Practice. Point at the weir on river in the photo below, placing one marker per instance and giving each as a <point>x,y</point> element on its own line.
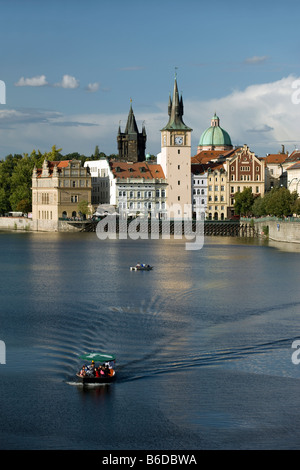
<point>228,228</point>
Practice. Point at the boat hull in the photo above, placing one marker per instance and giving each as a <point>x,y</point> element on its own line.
<point>95,380</point>
<point>140,268</point>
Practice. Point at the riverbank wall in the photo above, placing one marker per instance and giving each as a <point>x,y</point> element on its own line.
<point>279,230</point>
<point>29,225</point>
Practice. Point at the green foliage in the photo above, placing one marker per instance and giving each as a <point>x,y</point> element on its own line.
<point>16,176</point>
<point>83,208</point>
<point>243,202</point>
<point>279,202</point>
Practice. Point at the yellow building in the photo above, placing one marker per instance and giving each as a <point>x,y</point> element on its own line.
<point>57,189</point>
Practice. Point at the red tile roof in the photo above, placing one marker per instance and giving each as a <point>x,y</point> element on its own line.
<point>51,164</point>
<point>199,168</point>
<point>276,158</point>
<point>295,166</point>
<point>205,156</point>
<point>293,157</point>
<point>136,170</point>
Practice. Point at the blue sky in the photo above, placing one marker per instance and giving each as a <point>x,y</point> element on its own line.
<point>72,66</point>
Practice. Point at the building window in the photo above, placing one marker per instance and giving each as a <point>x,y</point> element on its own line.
<point>178,183</point>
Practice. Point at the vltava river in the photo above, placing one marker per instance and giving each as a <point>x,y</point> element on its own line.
<point>203,343</point>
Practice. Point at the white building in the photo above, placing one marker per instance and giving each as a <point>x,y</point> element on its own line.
<point>130,187</point>
<point>199,191</point>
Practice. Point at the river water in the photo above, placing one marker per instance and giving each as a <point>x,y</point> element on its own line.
<point>203,343</point>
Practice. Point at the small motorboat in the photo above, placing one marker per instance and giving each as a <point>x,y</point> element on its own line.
<point>141,267</point>
<point>98,368</point>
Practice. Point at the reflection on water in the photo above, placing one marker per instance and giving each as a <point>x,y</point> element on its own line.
<point>200,342</point>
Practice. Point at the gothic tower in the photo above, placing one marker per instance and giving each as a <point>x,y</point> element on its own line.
<point>175,159</point>
<point>132,143</point>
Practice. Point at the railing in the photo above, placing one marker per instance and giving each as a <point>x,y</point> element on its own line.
<point>270,218</point>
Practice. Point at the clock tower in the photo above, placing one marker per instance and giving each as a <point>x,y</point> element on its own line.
<point>175,159</point>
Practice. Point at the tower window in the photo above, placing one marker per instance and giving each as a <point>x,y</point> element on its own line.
<point>178,151</point>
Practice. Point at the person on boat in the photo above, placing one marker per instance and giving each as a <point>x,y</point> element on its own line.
<point>82,371</point>
<point>97,372</point>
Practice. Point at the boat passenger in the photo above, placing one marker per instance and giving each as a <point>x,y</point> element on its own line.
<point>96,371</point>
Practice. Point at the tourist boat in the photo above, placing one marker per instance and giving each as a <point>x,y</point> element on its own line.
<point>106,361</point>
<point>141,267</point>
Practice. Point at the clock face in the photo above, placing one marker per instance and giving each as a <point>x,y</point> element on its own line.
<point>178,140</point>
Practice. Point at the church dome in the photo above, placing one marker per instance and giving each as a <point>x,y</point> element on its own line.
<point>214,137</point>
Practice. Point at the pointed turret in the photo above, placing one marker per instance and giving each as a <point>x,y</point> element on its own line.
<point>175,111</point>
<point>131,143</point>
<point>131,126</point>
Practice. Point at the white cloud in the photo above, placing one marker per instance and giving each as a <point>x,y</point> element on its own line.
<point>40,80</point>
<point>68,82</point>
<point>262,116</point>
<point>256,59</point>
<point>92,87</point>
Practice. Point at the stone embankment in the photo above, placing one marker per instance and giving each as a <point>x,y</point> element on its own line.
<point>29,225</point>
<point>279,230</point>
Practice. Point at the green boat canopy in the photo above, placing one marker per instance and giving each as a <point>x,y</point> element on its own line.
<point>98,357</point>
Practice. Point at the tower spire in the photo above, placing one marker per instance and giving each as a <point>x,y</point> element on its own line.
<point>175,109</point>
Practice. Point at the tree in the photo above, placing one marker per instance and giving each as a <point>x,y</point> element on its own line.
<point>20,182</point>
<point>83,208</point>
<point>279,202</point>
<point>243,202</point>
<point>259,207</point>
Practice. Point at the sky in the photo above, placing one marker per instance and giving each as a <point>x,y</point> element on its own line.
<point>71,67</point>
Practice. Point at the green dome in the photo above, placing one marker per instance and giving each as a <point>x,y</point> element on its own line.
<point>215,136</point>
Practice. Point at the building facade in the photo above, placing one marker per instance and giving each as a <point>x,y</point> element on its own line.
<point>130,187</point>
<point>57,189</point>
<point>199,191</point>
